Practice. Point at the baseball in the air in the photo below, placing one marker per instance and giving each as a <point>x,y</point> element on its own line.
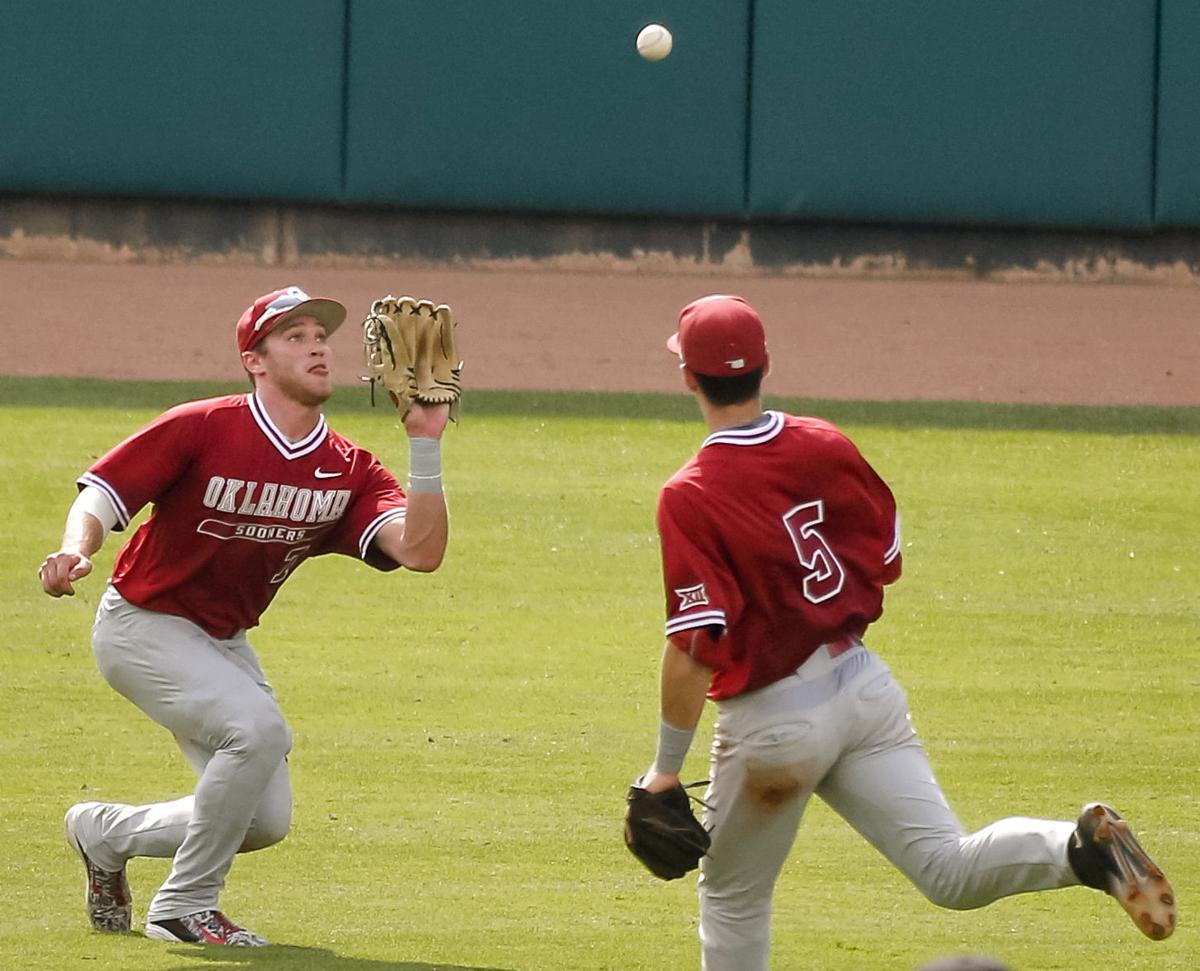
<point>654,42</point>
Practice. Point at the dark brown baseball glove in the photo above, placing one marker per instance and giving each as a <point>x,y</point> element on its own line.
<point>662,831</point>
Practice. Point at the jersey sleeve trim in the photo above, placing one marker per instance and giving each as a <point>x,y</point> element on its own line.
<point>376,524</point>
<point>702,618</point>
<point>894,550</point>
<point>93,480</point>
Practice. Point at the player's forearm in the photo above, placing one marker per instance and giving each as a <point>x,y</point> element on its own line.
<point>684,686</point>
<point>426,521</point>
<point>89,521</point>
<point>426,532</point>
<point>83,534</point>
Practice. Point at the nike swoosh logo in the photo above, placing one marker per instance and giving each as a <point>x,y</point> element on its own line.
<point>322,474</point>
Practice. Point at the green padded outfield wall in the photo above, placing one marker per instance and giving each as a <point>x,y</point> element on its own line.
<point>1177,200</point>
<point>545,105</point>
<point>947,111</point>
<point>226,98</point>
<point>1010,112</point>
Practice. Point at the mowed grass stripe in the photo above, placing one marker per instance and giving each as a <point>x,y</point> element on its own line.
<point>59,392</point>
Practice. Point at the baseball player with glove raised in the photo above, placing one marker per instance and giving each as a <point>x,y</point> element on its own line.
<point>778,539</point>
<point>245,488</point>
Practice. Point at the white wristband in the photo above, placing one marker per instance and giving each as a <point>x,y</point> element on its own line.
<point>424,465</point>
<point>673,745</point>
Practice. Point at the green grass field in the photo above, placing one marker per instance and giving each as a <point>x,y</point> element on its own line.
<point>459,767</point>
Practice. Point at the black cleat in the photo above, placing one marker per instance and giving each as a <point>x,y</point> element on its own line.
<point>1105,855</point>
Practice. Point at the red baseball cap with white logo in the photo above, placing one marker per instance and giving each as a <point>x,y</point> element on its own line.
<point>721,336</point>
<point>272,309</point>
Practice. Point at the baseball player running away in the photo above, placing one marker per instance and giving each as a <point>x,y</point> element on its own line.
<point>245,488</point>
<point>777,541</point>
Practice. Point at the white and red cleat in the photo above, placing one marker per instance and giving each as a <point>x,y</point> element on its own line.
<point>109,901</point>
<point>203,927</point>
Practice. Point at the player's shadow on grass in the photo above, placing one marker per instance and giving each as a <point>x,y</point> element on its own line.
<point>288,958</point>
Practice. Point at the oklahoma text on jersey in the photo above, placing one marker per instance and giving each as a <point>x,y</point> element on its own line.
<point>275,500</point>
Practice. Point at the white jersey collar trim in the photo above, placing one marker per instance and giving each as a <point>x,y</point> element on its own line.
<point>288,449</point>
<point>753,434</point>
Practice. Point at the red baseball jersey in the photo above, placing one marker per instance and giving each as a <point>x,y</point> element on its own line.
<point>777,537</point>
<point>237,507</point>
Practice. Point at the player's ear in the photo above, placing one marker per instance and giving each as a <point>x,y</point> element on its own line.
<point>252,361</point>
<point>766,363</point>
<point>689,379</point>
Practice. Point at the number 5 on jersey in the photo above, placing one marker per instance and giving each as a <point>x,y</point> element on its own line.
<point>825,573</point>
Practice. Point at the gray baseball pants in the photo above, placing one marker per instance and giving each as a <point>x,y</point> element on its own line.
<point>839,727</point>
<point>213,697</point>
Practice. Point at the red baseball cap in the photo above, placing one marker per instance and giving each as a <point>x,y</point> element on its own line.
<point>271,309</point>
<point>720,336</point>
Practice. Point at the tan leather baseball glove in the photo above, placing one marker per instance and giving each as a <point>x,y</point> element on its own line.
<point>410,350</point>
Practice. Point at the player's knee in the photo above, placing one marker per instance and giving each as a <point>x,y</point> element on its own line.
<point>265,736</point>
<point>948,898</point>
<point>270,825</point>
<point>950,891</point>
<point>946,876</point>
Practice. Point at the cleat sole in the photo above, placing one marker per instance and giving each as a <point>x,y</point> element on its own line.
<point>1137,883</point>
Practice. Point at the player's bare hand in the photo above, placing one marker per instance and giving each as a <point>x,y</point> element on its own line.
<point>59,571</point>
<point>654,781</point>
<point>426,421</point>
